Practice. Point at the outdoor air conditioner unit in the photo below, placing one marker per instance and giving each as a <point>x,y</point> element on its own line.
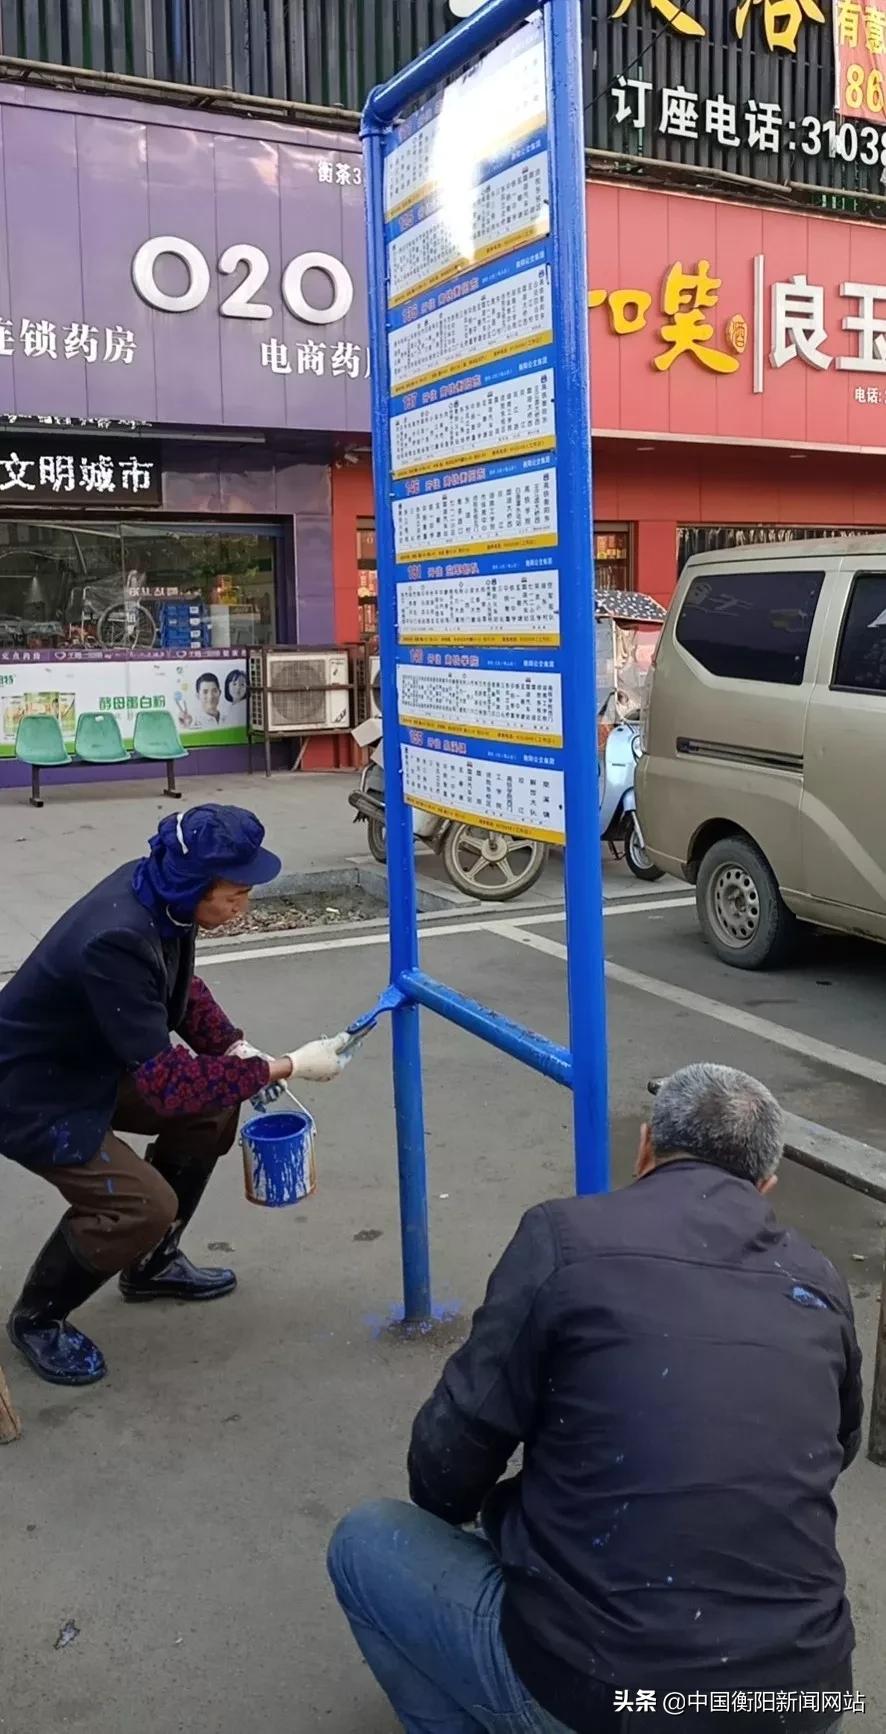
<point>306,691</point>
<point>375,686</point>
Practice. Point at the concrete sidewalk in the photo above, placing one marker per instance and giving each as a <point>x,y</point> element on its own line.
<point>51,856</point>
<point>174,1520</point>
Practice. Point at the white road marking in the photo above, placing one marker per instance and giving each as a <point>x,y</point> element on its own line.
<point>841,1059</point>
<point>443,931</point>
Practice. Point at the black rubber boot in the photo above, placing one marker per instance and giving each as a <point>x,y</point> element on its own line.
<point>166,1274</point>
<point>38,1327</point>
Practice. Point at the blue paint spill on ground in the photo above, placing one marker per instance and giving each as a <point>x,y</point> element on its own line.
<point>442,1312</point>
<point>805,1297</point>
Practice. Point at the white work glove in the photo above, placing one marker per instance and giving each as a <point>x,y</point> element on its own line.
<point>321,1061</point>
<point>243,1050</point>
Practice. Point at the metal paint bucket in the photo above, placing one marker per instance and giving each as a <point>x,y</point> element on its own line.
<point>278,1158</point>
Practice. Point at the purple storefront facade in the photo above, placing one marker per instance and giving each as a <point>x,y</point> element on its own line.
<point>183,358</point>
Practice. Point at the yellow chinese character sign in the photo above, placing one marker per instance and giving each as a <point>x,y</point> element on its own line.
<point>687,299</point>
<point>782,20</point>
<point>860,53</point>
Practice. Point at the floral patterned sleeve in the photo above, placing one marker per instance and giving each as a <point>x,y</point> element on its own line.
<point>204,1026</point>
<point>176,1082</point>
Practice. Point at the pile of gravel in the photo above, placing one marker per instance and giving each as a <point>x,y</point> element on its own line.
<point>305,909</point>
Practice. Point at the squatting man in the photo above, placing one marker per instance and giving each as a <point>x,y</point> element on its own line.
<point>86,1052</point>
<point>683,1375</point>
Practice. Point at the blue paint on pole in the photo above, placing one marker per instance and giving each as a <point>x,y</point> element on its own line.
<point>583,871</point>
<point>583,1066</point>
<point>408,1101</point>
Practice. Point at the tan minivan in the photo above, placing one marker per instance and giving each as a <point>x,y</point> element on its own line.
<point>762,780</point>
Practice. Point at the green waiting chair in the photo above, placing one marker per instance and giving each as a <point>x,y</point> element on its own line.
<point>156,737</point>
<point>98,740</point>
<point>39,743</point>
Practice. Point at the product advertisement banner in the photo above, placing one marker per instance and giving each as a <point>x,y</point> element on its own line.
<point>205,695</point>
<point>860,60</point>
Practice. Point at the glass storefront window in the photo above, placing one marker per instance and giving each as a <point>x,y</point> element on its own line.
<point>132,586</point>
<point>367,579</point>
<point>613,565</point>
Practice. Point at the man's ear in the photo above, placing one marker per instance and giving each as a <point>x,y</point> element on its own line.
<point>764,1186</point>
<point>645,1153</point>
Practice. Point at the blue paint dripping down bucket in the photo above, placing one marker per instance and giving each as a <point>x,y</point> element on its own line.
<point>278,1159</point>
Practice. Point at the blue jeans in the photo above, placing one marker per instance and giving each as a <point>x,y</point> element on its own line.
<point>423,1601</point>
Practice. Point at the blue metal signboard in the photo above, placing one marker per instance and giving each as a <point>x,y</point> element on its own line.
<point>481,452</point>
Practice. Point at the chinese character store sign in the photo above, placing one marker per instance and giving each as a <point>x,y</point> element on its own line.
<point>782,20</point>
<point>238,302</point>
<point>37,472</point>
<point>31,338</point>
<point>783,315</point>
<point>687,299</point>
<point>860,53</point>
<point>783,90</point>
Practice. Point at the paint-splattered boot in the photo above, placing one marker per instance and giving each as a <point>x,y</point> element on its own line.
<point>166,1274</point>
<point>38,1324</point>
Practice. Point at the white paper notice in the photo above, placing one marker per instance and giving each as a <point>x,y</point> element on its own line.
<point>521,608</point>
<point>519,799</point>
<point>514,512</point>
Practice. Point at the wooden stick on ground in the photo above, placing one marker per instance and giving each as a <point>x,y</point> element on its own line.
<point>10,1425</point>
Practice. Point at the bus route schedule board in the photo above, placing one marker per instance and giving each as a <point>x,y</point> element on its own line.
<point>473,448</point>
<point>478,318</point>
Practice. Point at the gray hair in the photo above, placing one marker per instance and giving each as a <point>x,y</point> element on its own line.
<point>718,1115</point>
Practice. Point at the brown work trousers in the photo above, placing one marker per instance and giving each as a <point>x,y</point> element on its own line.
<point>121,1206</point>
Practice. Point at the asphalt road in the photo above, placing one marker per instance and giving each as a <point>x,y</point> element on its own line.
<point>178,1514</point>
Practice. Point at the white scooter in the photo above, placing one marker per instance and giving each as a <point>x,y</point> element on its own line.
<point>628,627</point>
<point>619,823</point>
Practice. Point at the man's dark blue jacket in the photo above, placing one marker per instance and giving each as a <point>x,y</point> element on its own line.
<point>684,1376</point>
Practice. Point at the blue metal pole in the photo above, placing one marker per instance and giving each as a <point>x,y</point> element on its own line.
<point>448,55</point>
<point>549,1058</point>
<point>405,1035</point>
<point>583,872</point>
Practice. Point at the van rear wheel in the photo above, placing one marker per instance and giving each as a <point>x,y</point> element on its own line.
<point>740,908</point>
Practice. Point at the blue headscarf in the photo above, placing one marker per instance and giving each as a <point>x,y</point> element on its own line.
<point>191,851</point>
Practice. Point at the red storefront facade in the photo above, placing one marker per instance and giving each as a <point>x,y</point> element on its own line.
<point>738,385</point>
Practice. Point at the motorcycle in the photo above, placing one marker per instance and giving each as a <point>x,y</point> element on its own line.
<point>495,867</point>
<point>490,865</point>
<point>628,628</point>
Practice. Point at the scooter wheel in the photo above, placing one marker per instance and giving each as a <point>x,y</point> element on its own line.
<point>641,865</point>
<point>377,840</point>
<point>490,865</point>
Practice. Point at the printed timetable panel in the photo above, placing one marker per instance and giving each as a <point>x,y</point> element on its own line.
<point>510,512</point>
<point>472,694</point>
<point>495,104</point>
<point>495,421</point>
<point>462,325</point>
<point>521,798</point>
<point>472,479</point>
<point>500,214</point>
<point>466,605</point>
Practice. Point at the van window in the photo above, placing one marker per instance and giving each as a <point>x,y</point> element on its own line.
<point>751,625</point>
<point>861,658</point>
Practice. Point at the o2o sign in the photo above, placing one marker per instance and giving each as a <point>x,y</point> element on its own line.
<point>240,303</point>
